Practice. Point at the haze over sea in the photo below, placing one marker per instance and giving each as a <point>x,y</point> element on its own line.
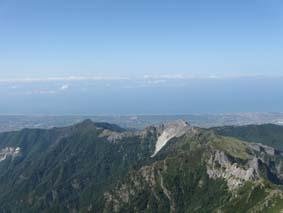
<point>140,57</point>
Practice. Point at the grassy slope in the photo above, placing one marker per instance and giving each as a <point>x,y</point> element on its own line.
<point>268,134</point>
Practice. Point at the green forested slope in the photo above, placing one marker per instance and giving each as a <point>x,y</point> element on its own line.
<point>268,134</point>
<point>100,167</point>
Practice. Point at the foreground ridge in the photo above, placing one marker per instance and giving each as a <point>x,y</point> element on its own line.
<point>172,167</point>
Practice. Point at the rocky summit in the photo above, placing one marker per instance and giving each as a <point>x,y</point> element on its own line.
<point>172,167</point>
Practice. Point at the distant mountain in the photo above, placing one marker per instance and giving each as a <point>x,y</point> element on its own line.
<point>173,167</point>
<point>14,122</point>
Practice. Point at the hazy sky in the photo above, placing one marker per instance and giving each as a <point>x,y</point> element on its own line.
<point>140,56</point>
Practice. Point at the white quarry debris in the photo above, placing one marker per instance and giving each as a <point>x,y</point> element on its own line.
<point>9,152</point>
<point>170,131</point>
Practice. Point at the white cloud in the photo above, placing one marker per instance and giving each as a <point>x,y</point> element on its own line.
<point>64,87</point>
<point>159,78</point>
<point>170,76</point>
<point>189,76</point>
<point>66,78</point>
<point>40,92</point>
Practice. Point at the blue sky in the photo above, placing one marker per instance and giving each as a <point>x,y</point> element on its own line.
<point>107,37</point>
<point>67,56</point>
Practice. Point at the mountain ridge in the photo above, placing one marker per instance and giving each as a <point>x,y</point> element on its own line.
<point>100,167</point>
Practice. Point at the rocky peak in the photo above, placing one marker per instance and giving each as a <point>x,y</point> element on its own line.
<point>169,131</point>
<point>85,124</point>
<point>174,125</point>
<point>88,123</point>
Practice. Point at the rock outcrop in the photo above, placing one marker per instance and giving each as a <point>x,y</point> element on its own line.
<point>9,152</point>
<point>219,166</point>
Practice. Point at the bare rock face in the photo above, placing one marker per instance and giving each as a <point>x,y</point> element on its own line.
<point>219,166</point>
<point>170,131</point>
<point>9,151</point>
<point>112,136</point>
<point>262,148</point>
